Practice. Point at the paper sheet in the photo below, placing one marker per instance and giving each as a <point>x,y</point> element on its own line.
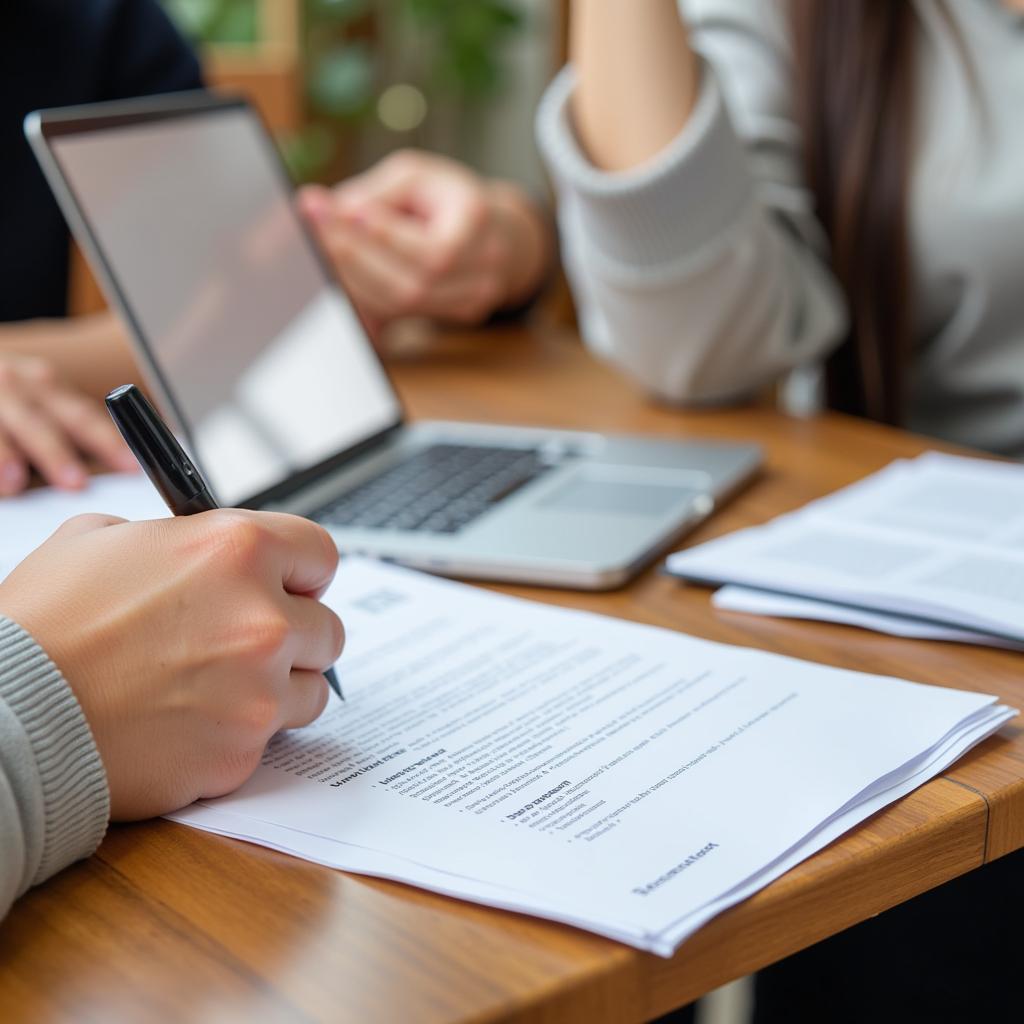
<point>938,538</point>
<point>763,602</point>
<point>619,777</point>
<point>338,854</point>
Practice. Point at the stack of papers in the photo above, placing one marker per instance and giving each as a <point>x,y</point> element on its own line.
<point>621,778</point>
<point>625,779</point>
<point>931,547</point>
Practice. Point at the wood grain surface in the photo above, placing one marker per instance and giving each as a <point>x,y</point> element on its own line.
<point>166,923</point>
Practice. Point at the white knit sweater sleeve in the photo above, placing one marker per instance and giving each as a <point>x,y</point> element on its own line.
<point>703,274</point>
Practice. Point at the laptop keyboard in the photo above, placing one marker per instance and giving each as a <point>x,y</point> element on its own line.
<point>439,489</point>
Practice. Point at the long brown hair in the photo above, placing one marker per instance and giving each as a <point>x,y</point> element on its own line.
<point>855,69</point>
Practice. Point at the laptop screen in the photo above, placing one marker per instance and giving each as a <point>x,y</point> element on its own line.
<point>260,351</point>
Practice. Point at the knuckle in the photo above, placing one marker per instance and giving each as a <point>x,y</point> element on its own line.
<point>237,538</point>
<point>86,522</point>
<point>404,159</point>
<point>475,211</point>
<point>440,262</point>
<point>40,371</point>
<point>341,189</point>
<point>83,521</point>
<point>259,713</point>
<point>265,636</point>
<point>410,295</point>
<point>35,422</point>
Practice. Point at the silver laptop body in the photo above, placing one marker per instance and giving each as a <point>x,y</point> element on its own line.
<point>255,352</point>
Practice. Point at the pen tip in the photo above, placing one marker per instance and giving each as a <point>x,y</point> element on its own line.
<point>332,679</point>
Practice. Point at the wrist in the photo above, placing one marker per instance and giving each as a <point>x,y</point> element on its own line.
<point>92,352</point>
<point>528,242</point>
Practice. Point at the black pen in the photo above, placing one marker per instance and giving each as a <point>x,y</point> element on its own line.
<point>171,471</point>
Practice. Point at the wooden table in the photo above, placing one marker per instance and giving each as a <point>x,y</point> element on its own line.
<point>166,923</point>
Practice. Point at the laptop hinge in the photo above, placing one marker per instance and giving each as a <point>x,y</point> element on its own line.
<point>299,481</point>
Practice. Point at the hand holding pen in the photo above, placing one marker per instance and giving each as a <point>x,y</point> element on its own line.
<point>171,471</point>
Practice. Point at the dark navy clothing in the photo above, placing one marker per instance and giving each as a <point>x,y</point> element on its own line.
<point>57,53</point>
<point>951,955</point>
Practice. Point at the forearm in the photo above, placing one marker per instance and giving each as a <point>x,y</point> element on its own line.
<point>637,79</point>
<point>91,352</point>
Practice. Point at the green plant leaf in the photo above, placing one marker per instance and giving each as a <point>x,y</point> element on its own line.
<point>341,80</point>
<point>235,22</point>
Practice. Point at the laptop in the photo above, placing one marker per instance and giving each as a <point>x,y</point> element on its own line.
<point>258,358</point>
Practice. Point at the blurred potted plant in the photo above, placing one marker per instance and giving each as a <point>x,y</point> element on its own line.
<point>221,22</point>
<point>364,75</point>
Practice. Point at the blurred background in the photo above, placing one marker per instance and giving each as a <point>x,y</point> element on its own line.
<point>342,82</point>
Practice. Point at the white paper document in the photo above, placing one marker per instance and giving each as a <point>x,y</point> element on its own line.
<point>732,598</point>
<point>937,542</point>
<point>622,778</point>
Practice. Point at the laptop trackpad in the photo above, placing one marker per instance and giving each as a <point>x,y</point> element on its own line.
<point>622,497</point>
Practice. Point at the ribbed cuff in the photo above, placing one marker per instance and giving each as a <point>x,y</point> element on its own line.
<point>685,198</point>
<point>73,783</point>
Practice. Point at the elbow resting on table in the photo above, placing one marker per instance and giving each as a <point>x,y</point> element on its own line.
<point>672,378</point>
<point>715,339</point>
